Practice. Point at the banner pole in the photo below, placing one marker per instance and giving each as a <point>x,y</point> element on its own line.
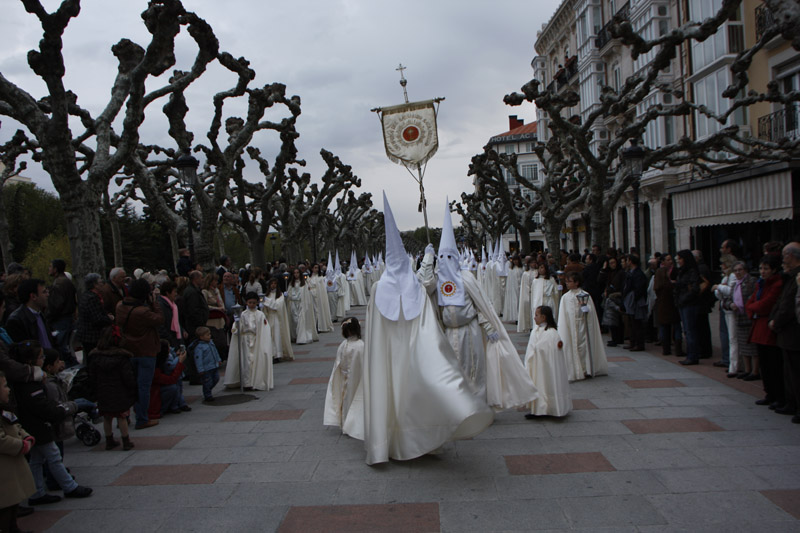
<point>423,203</point>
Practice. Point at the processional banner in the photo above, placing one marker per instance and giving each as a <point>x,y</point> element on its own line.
<point>409,132</point>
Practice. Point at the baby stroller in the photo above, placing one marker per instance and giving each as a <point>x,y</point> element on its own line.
<point>87,414</point>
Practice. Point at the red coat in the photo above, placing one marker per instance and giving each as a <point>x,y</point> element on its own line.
<point>159,379</point>
<point>758,310</point>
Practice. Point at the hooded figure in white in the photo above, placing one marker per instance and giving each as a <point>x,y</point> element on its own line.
<point>334,288</point>
<point>356,281</point>
<point>485,352</point>
<point>343,305</point>
<point>413,397</point>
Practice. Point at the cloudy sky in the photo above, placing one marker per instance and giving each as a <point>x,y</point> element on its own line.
<point>340,57</point>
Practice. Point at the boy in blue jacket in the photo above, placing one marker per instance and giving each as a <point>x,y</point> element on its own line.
<point>207,359</point>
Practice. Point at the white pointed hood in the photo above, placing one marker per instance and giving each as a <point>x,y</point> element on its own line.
<point>473,264</point>
<point>502,261</point>
<point>367,264</point>
<point>337,266</point>
<point>449,283</point>
<point>330,276</point>
<point>398,287</point>
<point>353,267</point>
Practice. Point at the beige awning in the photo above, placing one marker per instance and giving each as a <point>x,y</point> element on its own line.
<point>752,200</point>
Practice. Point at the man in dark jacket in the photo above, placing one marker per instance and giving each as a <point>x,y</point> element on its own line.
<point>62,307</point>
<point>139,317</point>
<point>783,321</point>
<point>114,291</point>
<point>28,321</point>
<point>194,308</point>
<point>634,297</point>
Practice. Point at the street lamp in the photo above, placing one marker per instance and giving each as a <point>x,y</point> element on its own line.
<point>314,219</point>
<point>272,239</point>
<point>187,173</point>
<point>633,159</point>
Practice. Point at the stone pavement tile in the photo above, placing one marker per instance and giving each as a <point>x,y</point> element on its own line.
<point>743,509</point>
<point>148,443</point>
<point>788,500</point>
<point>500,515</point>
<point>40,520</point>
<point>331,344</point>
<point>171,475</point>
<point>97,476</point>
<point>778,476</point>
<point>583,444</point>
<point>653,383</point>
<point>314,359</point>
<point>561,428</point>
<point>341,450</point>
<point>117,520</point>
<point>166,457</point>
<point>673,441</point>
<point>448,465</point>
<point>764,437</point>
<point>215,428</point>
<point>524,429</point>
<point>702,401</point>
<point>89,458</point>
<point>192,398</point>
<point>408,518</point>
<point>783,527</point>
<point>360,492</point>
<point>675,412</point>
<point>359,470</point>
<point>543,487</point>
<point>619,359</point>
<point>222,440</point>
<point>300,424</point>
<point>750,455</point>
<point>250,454</point>
<point>653,393</point>
<point>301,352</point>
<point>650,459</point>
<point>595,415</point>
<point>283,493</point>
<point>484,447</point>
<point>297,438</point>
<point>671,425</point>
<point>452,489</point>
<point>265,518</point>
<point>581,404</point>
<point>267,472</point>
<point>638,482</point>
<point>762,420</point>
<point>716,390</point>
<point>626,402</point>
<point>709,479</point>
<point>610,511</point>
<point>557,463</point>
<point>245,416</point>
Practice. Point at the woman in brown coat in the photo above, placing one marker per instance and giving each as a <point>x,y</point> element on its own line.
<point>16,481</point>
<point>666,312</point>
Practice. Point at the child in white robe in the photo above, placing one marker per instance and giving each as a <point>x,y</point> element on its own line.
<point>544,360</point>
<point>346,374</point>
<point>255,363</point>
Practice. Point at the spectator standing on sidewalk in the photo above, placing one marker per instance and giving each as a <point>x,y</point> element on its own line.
<point>783,321</point>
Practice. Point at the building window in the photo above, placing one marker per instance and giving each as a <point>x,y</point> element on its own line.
<point>509,148</point>
<point>510,179</point>
<point>529,171</point>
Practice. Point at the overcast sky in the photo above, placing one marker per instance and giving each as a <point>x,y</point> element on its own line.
<point>340,57</point>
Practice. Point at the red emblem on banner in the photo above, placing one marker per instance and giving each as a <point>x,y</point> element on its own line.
<point>448,288</point>
<point>411,134</point>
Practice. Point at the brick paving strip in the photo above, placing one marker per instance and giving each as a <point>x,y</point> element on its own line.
<point>671,425</point>
<point>249,416</point>
<point>580,405</point>
<point>620,359</point>
<point>557,463</point>
<point>653,383</point>
<point>401,517</point>
<point>41,520</point>
<point>788,500</point>
<point>171,475</point>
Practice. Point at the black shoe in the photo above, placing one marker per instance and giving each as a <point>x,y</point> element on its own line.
<point>531,416</point>
<point>732,374</point>
<point>689,362</point>
<point>721,364</point>
<point>796,419</point>
<point>764,401</point>
<point>785,410</point>
<point>79,492</point>
<point>23,511</point>
<point>742,375</point>
<point>752,377</point>
<point>611,344</point>
<point>775,405</point>
<point>209,399</point>
<point>185,408</point>
<point>174,411</point>
<point>44,500</point>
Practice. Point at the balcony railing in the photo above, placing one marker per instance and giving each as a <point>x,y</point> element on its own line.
<point>604,36</point>
<point>764,20</point>
<point>780,125</point>
<point>564,75</point>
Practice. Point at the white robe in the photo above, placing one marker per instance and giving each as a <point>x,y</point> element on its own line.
<point>342,303</point>
<point>322,309</point>
<point>257,352</point>
<point>413,397</point>
<point>345,377</point>
<point>524,315</point>
<point>544,292</point>
<point>511,300</point>
<point>584,350</point>
<point>301,307</point>
<point>544,360</point>
<point>278,317</point>
<point>357,295</point>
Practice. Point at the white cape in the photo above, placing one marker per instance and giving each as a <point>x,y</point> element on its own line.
<point>524,313</point>
<point>322,309</point>
<point>275,310</point>
<point>544,360</point>
<point>257,352</point>
<point>584,349</point>
<point>345,377</point>
<point>302,316</point>
<point>413,397</point>
<point>511,299</point>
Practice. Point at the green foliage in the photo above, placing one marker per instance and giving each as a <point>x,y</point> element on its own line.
<point>145,243</point>
<point>33,214</point>
<point>54,246</point>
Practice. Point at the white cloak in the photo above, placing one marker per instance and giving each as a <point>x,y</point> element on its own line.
<point>278,317</point>
<point>524,314</point>
<point>413,397</point>
<point>322,310</point>
<point>345,377</point>
<point>257,352</point>
<point>301,306</point>
<point>544,292</point>
<point>545,362</point>
<point>584,350</point>
<point>358,296</point>
<point>511,300</point>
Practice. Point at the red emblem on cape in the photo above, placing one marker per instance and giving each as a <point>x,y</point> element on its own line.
<point>448,288</point>
<point>411,134</point>
<point>330,284</point>
<point>560,344</point>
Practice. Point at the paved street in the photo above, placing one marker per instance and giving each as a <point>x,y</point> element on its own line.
<point>652,447</point>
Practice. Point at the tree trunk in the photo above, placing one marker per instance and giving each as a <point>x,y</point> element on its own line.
<point>5,239</point>
<point>600,226</point>
<point>204,246</point>
<point>257,256</point>
<point>116,238</point>
<point>552,233</point>
<point>81,212</point>
<point>220,242</point>
<point>173,241</point>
